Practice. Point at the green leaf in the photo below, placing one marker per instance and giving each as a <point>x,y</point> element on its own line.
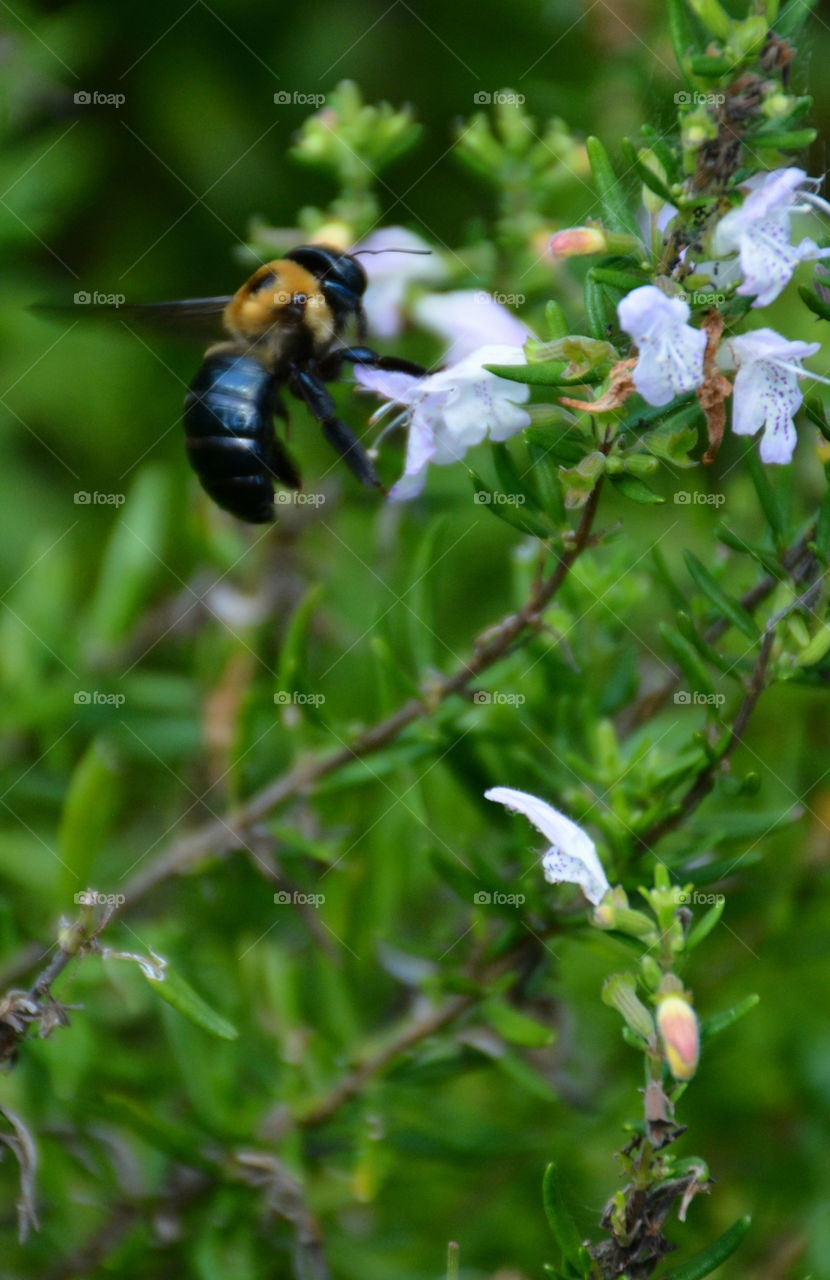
<point>792,140</point>
<point>725,605</point>
<point>719,1022</point>
<point>88,811</point>
<point>762,554</point>
<point>689,632</point>
<point>634,488</point>
<point>714,17</point>
<point>768,498</point>
<point>717,1253</point>
<point>544,476</point>
<point>522,1074</point>
<point>814,409</point>
<point>511,512</point>
<point>822,528</point>
<point>556,321</point>
<point>173,988</point>
<point>512,481</point>
<point>133,560</point>
<point>516,1027</point>
<point>421,595</point>
<point>711,66</point>
<point>295,645</point>
<point>646,174</point>
<point>705,925</point>
<point>175,1141</point>
<point>596,309</point>
<point>616,212</point>
<point>687,659</point>
<point>812,300</point>
<point>687,35</point>
<point>625,281</point>
<point>545,373</point>
<point>560,1221</point>
<point>795,13</point>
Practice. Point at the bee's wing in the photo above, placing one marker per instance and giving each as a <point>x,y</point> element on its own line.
<point>189,317</point>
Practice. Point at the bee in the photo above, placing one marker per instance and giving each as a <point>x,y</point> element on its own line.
<point>285,328</point>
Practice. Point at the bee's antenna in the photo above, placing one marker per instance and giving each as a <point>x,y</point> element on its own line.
<point>390,250</point>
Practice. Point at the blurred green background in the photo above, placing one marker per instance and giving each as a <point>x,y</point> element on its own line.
<point>183,613</point>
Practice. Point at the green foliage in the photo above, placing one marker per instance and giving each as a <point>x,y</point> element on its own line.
<point>342,1018</point>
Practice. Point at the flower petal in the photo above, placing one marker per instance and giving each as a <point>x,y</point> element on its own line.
<point>573,856</point>
<point>467,319</point>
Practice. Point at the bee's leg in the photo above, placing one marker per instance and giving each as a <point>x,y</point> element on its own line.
<point>281,465</point>
<point>330,367</point>
<point>315,393</point>
<point>276,456</point>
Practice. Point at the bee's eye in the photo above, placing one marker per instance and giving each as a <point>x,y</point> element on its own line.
<point>263,282</point>
<point>301,299</point>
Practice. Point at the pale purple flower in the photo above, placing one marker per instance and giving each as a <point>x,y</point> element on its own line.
<point>766,391</point>
<point>467,319</point>
<point>451,410</point>
<point>670,351</point>
<point>391,276</point>
<point>759,230</point>
<point>572,857</point>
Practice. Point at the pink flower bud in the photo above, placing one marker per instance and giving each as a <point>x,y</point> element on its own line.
<point>576,241</point>
<point>677,1024</point>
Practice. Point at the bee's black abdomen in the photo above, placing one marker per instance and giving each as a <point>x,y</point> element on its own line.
<point>229,435</point>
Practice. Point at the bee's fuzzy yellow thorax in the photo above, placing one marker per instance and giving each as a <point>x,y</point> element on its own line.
<point>269,301</point>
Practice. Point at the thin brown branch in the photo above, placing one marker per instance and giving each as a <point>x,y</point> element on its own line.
<point>223,834</point>
<point>705,780</point>
<point>650,704</point>
<point>411,1034</point>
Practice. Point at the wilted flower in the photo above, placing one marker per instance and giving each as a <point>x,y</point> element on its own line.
<point>392,274</point>
<point>677,1025</point>
<point>572,857</point>
<point>766,392</point>
<point>670,350</point>
<point>760,232</point>
<point>451,410</point>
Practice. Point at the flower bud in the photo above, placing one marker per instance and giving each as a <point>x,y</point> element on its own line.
<point>578,241</point>
<point>677,1024</point>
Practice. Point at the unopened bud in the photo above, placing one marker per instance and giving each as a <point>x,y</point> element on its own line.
<point>577,241</point>
<point>677,1024</point>
<point>619,992</point>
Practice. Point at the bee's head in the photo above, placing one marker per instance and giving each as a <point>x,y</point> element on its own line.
<point>339,275</point>
<point>283,294</point>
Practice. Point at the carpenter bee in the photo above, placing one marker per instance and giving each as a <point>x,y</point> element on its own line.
<point>285,326</point>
